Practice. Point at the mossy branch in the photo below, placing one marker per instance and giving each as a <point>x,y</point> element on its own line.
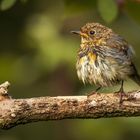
<point>20,111</point>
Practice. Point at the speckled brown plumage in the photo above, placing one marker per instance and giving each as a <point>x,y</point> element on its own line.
<point>104,57</point>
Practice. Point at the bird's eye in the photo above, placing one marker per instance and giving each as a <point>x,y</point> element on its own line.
<point>92,32</point>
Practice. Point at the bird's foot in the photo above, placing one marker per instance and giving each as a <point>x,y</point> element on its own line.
<point>121,94</point>
<point>93,93</point>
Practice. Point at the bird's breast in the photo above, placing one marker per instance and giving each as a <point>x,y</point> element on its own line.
<point>86,67</point>
<point>97,70</point>
<point>92,57</point>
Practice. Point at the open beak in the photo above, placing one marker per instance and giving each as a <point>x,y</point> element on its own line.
<point>80,33</point>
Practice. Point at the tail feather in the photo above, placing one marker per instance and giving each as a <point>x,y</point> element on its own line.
<point>135,77</point>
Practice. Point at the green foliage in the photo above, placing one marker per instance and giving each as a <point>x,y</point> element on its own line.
<point>23,1</point>
<point>6,4</point>
<point>38,56</point>
<point>133,10</point>
<point>108,10</point>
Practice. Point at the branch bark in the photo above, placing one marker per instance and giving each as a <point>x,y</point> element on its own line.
<point>20,111</point>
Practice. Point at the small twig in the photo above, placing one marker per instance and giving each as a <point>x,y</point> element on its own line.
<point>4,91</point>
<point>21,111</point>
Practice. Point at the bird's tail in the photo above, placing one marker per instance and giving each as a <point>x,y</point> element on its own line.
<point>135,77</point>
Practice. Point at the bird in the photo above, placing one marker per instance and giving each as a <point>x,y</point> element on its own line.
<point>104,58</point>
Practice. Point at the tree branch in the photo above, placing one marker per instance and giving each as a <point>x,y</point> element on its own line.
<point>21,111</point>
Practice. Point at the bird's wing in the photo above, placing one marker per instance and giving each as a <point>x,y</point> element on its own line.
<point>120,46</point>
<point>118,49</point>
<point>115,47</point>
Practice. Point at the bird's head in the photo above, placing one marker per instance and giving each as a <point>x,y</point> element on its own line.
<point>93,33</point>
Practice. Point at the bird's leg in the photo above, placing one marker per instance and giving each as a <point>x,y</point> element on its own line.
<point>93,92</point>
<point>97,89</point>
<point>121,92</point>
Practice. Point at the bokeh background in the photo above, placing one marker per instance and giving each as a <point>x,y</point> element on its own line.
<point>38,56</point>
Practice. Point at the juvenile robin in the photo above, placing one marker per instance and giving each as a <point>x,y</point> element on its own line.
<point>104,58</point>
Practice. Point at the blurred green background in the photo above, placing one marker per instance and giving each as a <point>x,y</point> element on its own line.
<point>38,56</point>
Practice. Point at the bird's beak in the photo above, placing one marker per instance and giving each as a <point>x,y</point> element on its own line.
<point>76,32</point>
<point>80,33</point>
